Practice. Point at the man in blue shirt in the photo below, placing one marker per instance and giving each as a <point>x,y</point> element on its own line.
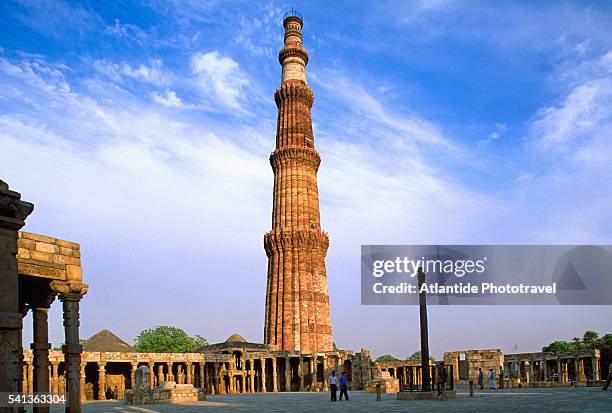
<point>343,387</point>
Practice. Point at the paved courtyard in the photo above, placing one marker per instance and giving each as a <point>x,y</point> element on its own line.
<point>514,400</point>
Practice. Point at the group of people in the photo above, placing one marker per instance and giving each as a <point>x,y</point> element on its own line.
<point>335,381</point>
<point>112,394</point>
<point>492,379</point>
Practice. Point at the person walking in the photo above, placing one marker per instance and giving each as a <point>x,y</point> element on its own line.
<point>502,373</point>
<point>443,380</point>
<point>492,379</point>
<point>609,378</point>
<point>343,387</point>
<point>333,385</point>
<point>480,378</point>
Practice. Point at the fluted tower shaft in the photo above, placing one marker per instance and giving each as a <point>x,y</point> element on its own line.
<point>297,299</point>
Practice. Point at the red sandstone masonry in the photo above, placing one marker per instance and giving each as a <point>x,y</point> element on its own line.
<point>297,300</point>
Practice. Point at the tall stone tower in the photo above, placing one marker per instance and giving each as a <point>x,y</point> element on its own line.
<point>297,301</point>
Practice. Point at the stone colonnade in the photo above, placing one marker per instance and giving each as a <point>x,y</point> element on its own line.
<point>562,367</point>
<point>238,371</point>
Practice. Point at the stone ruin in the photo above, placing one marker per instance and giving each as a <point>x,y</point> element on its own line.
<point>166,392</point>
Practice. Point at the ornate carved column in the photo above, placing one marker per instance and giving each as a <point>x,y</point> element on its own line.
<point>262,362</point>
<point>70,293</point>
<point>313,371</point>
<point>220,379</point>
<point>274,376</point>
<point>301,373</point>
<point>189,364</point>
<point>82,379</point>
<point>134,365</point>
<point>287,373</point>
<point>30,378</point>
<point>55,376</point>
<point>252,376</point>
<point>202,366</point>
<point>101,380</point>
<point>581,375</point>
<point>169,376</point>
<point>24,378</point>
<point>325,386</point>
<point>160,374</point>
<point>13,212</point>
<point>40,346</point>
<point>151,365</point>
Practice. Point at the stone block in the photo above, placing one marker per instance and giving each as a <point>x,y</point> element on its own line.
<point>74,273</point>
<point>38,237</point>
<point>41,256</point>
<point>68,244</point>
<point>66,251</point>
<point>63,259</point>
<point>49,248</point>
<point>23,253</point>
<point>26,243</point>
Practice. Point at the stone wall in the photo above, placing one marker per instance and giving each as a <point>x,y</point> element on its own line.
<point>48,257</point>
<point>467,369</point>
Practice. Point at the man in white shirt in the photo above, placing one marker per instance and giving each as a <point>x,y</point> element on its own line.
<point>333,385</point>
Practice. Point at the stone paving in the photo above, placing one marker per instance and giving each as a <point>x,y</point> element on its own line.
<point>512,400</point>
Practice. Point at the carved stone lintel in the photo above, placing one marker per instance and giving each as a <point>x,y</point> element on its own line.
<point>69,290</point>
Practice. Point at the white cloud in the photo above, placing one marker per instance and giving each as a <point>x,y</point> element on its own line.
<point>169,98</point>
<point>220,78</point>
<point>578,127</point>
<point>500,129</point>
<point>153,73</point>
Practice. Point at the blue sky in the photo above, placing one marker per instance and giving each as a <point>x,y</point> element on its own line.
<point>142,131</point>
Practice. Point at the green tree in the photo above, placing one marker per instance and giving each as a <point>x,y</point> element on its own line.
<point>558,346</point>
<point>415,356</point>
<point>335,347</point>
<point>386,357</point>
<point>590,337</point>
<point>166,339</point>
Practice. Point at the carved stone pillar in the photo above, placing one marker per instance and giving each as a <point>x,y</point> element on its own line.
<point>287,374</point>
<point>70,294</point>
<point>301,373</point>
<point>169,376</point>
<point>134,365</point>
<point>202,366</point>
<point>151,365</point>
<point>82,380</point>
<point>581,375</point>
<point>179,374</point>
<point>220,379</point>
<point>13,212</point>
<point>24,378</point>
<point>160,374</point>
<point>274,376</point>
<point>262,362</point>
<point>252,376</point>
<point>30,378</point>
<point>101,380</point>
<point>40,348</point>
<point>313,371</point>
<point>189,364</point>
<point>55,377</point>
<point>325,386</point>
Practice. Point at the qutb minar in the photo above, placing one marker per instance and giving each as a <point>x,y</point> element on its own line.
<point>297,299</point>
